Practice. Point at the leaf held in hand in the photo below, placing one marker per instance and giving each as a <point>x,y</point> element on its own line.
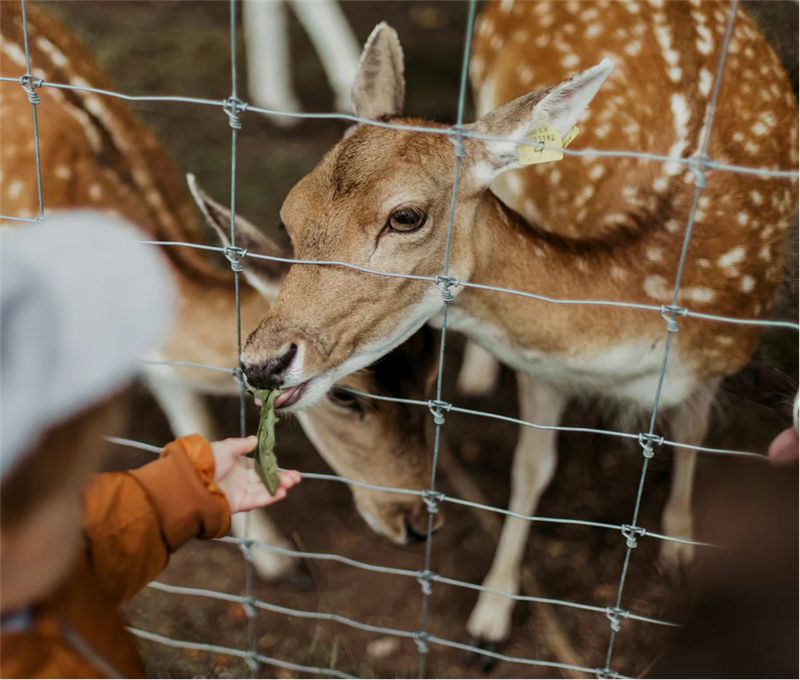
<point>266,463</point>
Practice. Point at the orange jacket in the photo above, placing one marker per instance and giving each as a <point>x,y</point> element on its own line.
<point>132,522</point>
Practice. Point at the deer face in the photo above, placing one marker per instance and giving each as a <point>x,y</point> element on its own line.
<point>366,440</point>
<point>379,442</point>
<point>380,199</point>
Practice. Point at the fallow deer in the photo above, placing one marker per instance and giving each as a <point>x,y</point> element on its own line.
<point>601,228</point>
<point>97,154</point>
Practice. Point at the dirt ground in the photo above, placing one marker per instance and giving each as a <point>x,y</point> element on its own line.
<point>181,48</point>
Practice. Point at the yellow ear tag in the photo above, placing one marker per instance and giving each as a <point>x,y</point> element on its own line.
<point>543,145</point>
<point>569,137</point>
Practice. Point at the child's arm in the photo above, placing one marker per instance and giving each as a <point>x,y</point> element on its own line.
<point>134,520</point>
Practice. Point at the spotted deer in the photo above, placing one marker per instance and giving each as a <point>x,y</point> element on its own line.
<point>601,228</point>
<point>97,154</point>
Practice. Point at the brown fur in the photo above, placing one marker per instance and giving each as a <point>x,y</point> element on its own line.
<point>623,244</point>
<point>133,177</point>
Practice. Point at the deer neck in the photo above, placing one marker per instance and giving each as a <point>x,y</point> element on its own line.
<point>512,253</point>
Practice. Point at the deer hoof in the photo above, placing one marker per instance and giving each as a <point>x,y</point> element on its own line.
<point>485,663</point>
<point>674,561</point>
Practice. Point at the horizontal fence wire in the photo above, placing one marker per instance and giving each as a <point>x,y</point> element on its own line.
<point>454,283</point>
<point>234,108</point>
<point>421,129</point>
<point>238,653</point>
<point>359,625</point>
<point>489,414</point>
<point>442,497</point>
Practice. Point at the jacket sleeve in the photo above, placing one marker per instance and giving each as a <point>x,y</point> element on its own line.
<point>134,520</point>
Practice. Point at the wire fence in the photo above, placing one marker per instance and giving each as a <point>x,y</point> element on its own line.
<point>648,441</point>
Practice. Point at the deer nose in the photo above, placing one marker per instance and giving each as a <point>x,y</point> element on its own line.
<point>417,526</point>
<point>270,374</point>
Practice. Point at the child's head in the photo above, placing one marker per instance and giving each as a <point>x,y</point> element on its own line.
<point>80,302</point>
<point>40,502</point>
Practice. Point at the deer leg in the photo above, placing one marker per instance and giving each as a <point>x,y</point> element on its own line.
<point>479,373</point>
<point>269,65</point>
<point>335,43</point>
<point>187,412</point>
<point>534,464</point>
<point>689,426</point>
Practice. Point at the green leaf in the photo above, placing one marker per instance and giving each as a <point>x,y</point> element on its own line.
<point>266,463</point>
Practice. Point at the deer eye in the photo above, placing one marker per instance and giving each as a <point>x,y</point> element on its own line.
<point>406,220</point>
<point>345,399</point>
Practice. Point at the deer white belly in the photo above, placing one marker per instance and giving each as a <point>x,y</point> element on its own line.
<point>626,371</point>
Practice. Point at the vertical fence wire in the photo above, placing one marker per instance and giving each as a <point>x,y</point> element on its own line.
<point>31,85</point>
<point>444,282</point>
<point>670,316</point>
<point>233,107</point>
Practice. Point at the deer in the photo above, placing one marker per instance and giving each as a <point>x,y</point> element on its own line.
<point>97,154</point>
<point>630,76</point>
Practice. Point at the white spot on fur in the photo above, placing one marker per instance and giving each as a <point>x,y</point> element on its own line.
<point>14,189</point>
<point>680,114</point>
<point>655,254</point>
<point>747,283</point>
<point>660,184</point>
<point>703,263</point>
<point>732,257</point>
<point>596,172</point>
<point>56,56</point>
<point>655,286</point>
<point>756,197</point>
<point>570,61</point>
<point>95,191</point>
<point>704,82</point>
<point>699,294</point>
<point>593,30</point>
<point>742,218</point>
<point>526,75</point>
<point>62,172</point>
<point>633,48</point>
<point>705,43</point>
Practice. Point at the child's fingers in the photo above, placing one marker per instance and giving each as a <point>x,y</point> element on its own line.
<point>236,446</point>
<point>289,478</point>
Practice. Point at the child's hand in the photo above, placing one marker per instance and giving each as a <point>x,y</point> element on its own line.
<point>236,475</point>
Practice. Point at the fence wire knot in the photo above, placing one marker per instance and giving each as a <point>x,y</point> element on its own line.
<point>422,640</point>
<point>425,579</point>
<point>669,314</point>
<point>436,407</point>
<point>234,255</point>
<point>606,673</point>
<point>647,440</point>
<point>432,499</point>
<point>698,167</point>
<point>233,107</point>
<point>31,85</point>
<point>456,136</point>
<point>252,661</point>
<point>630,532</point>
<point>249,607</point>
<point>444,284</point>
<point>614,616</point>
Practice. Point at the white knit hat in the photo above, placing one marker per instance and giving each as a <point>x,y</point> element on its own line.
<point>80,303</point>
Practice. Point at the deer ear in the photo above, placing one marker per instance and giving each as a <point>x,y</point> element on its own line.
<point>265,276</point>
<point>561,105</point>
<point>380,87</point>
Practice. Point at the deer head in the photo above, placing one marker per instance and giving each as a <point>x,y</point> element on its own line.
<point>381,199</point>
<point>370,441</point>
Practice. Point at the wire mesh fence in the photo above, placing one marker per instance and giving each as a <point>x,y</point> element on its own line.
<point>648,441</point>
